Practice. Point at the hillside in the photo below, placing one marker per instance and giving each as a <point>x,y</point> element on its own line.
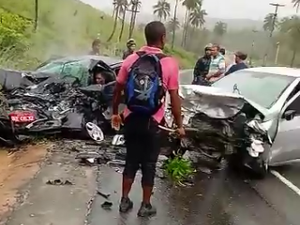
<point>68,27</point>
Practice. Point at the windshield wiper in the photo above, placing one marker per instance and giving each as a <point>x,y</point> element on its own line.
<point>236,89</point>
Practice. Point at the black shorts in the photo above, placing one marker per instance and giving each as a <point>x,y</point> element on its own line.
<point>142,145</point>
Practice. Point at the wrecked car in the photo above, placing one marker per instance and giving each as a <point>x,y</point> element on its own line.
<point>79,67</point>
<point>251,115</point>
<point>62,99</point>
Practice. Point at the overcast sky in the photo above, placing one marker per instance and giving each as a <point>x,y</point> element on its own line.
<point>229,9</point>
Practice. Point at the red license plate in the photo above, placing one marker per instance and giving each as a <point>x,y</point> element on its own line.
<point>22,117</point>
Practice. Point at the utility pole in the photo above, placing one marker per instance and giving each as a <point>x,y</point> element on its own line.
<point>252,47</point>
<point>275,14</point>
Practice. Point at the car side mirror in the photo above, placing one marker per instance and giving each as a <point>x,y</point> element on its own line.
<point>289,115</point>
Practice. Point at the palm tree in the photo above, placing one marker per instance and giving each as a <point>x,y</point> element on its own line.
<point>135,5</point>
<point>220,29</point>
<point>296,4</point>
<point>269,23</point>
<point>36,17</point>
<point>123,10</point>
<point>173,25</point>
<point>196,18</point>
<point>290,31</point>
<point>162,9</point>
<point>117,8</point>
<point>189,5</point>
<point>174,19</point>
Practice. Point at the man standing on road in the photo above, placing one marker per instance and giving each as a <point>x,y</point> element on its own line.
<point>95,47</point>
<point>202,68</point>
<point>217,65</point>
<point>130,48</point>
<point>240,64</point>
<point>145,76</point>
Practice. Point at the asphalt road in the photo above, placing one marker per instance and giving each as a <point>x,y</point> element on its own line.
<point>216,199</point>
<point>220,198</point>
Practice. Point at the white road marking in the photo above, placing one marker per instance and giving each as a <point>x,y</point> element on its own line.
<point>286,182</point>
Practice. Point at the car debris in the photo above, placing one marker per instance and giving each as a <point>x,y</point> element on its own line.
<point>59,182</point>
<point>107,205</point>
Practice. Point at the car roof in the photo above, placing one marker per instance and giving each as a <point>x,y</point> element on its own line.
<point>285,71</point>
<point>108,60</point>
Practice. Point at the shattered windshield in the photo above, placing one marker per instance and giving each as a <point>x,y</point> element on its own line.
<point>77,69</point>
<point>262,88</point>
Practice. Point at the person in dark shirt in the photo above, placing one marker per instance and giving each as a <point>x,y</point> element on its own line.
<point>95,47</point>
<point>202,68</point>
<point>131,45</point>
<point>240,58</point>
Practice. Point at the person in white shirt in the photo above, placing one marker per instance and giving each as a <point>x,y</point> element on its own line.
<point>217,65</point>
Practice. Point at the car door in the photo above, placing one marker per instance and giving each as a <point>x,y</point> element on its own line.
<point>286,146</point>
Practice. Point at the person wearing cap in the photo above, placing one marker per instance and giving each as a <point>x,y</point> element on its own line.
<point>95,47</point>
<point>202,67</point>
<point>131,45</point>
<point>240,64</point>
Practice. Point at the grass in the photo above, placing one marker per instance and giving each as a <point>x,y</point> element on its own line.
<point>68,27</point>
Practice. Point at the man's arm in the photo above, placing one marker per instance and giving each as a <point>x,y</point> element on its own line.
<point>119,87</point>
<point>231,70</point>
<point>221,70</point>
<point>173,86</point>
<point>197,69</point>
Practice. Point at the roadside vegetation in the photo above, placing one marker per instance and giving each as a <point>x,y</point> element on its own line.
<point>31,33</point>
<point>179,169</point>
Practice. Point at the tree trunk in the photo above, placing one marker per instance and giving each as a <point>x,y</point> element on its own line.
<point>134,18</point>
<point>293,57</point>
<point>122,26</point>
<point>184,28</point>
<point>174,25</point>
<point>115,26</point>
<point>36,18</point>
<point>131,22</point>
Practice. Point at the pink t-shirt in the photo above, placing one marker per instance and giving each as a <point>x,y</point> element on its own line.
<point>170,74</point>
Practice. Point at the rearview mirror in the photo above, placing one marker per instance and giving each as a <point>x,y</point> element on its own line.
<point>289,115</point>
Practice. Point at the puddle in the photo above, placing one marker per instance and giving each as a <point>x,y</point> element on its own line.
<point>16,170</point>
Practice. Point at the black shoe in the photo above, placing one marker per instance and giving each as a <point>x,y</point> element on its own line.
<point>125,205</point>
<point>146,210</point>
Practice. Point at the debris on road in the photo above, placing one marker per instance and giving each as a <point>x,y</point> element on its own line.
<point>106,196</point>
<point>59,182</point>
<point>107,205</point>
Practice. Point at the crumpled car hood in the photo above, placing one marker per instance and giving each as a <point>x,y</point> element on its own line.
<point>214,102</point>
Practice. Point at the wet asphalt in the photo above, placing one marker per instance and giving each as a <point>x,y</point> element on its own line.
<point>221,198</point>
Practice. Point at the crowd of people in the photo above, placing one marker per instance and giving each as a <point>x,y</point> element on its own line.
<point>144,78</point>
<point>212,65</point>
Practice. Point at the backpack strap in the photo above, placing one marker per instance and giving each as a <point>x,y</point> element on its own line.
<point>157,57</point>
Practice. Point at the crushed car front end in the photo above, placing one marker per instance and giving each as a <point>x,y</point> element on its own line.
<point>222,125</point>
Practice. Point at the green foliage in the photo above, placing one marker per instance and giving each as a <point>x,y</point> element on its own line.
<point>178,168</point>
<point>64,28</point>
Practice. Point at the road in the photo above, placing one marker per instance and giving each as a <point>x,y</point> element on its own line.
<point>221,198</point>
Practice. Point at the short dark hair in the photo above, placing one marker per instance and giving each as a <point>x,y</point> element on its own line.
<point>216,46</point>
<point>241,55</point>
<point>222,51</point>
<point>154,32</point>
<point>96,42</point>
